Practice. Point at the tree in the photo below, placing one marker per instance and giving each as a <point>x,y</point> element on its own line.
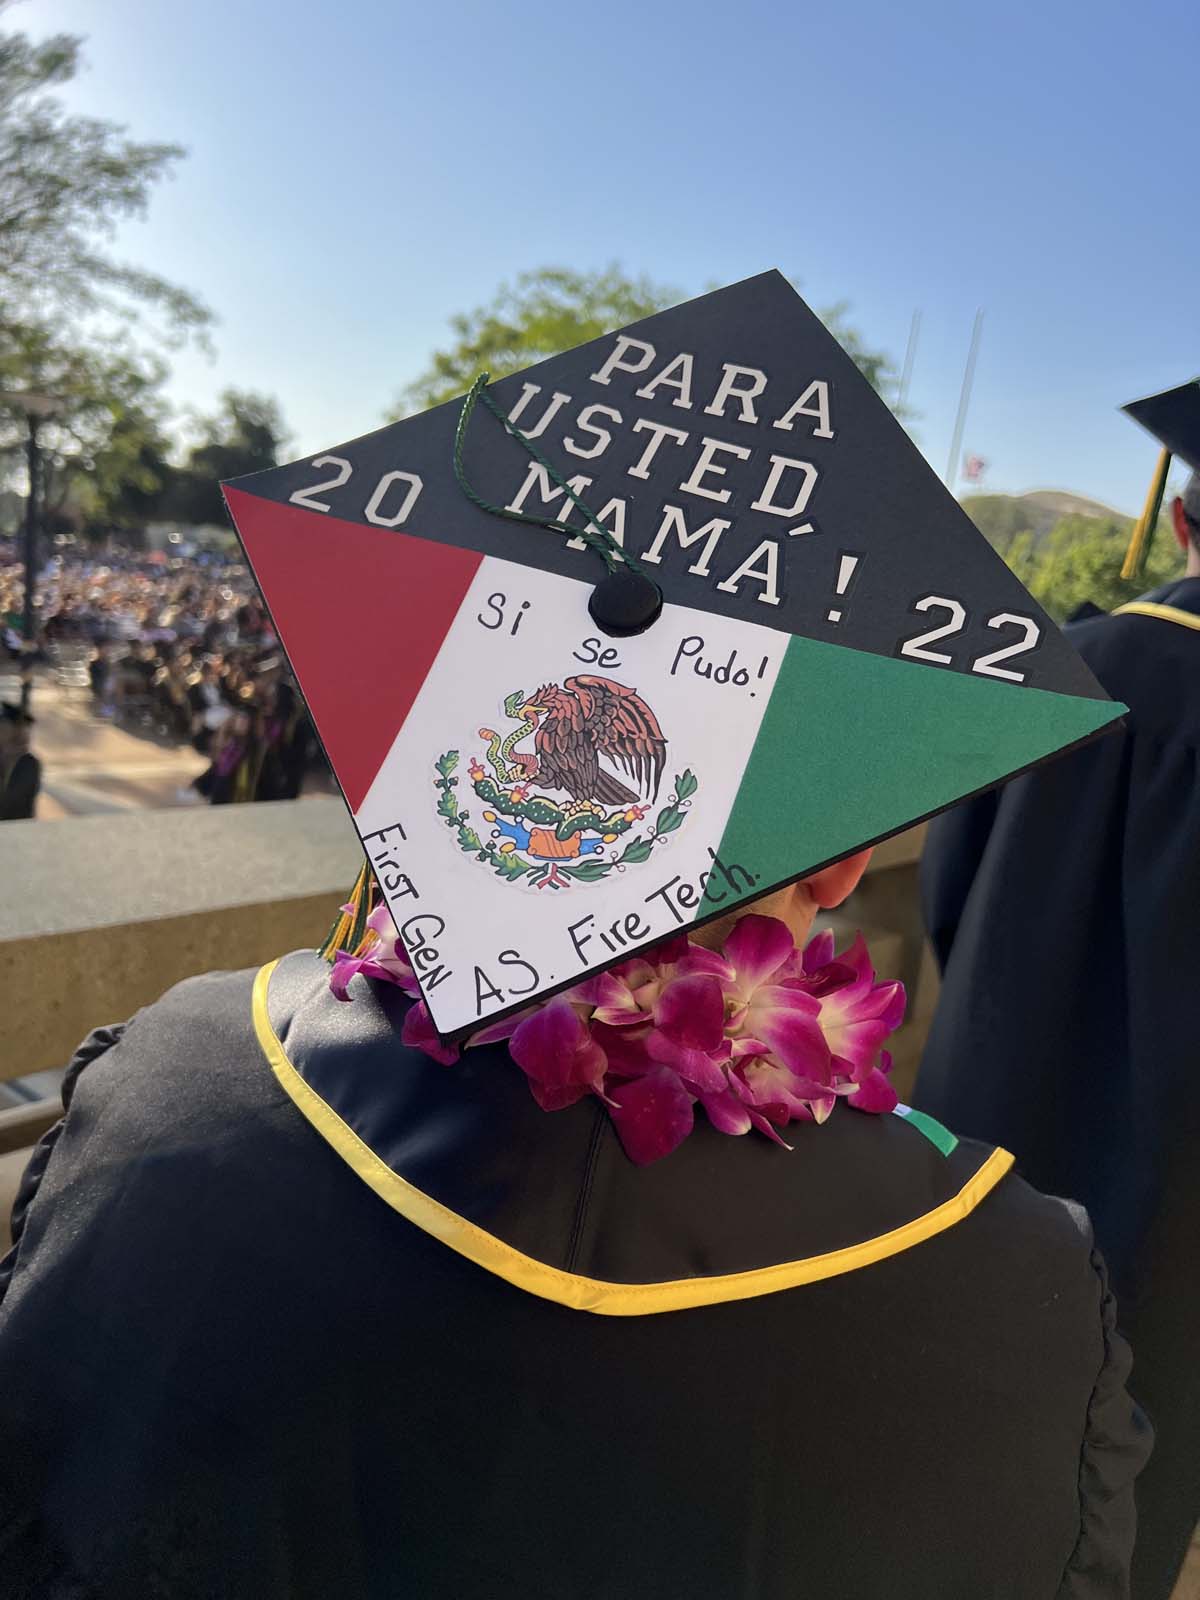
<point>554,309</point>
<point>129,473</point>
<point>246,435</point>
<point>103,449</point>
<point>65,181</point>
<point>1080,560</point>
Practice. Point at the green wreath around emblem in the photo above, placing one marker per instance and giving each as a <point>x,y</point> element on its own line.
<point>563,844</point>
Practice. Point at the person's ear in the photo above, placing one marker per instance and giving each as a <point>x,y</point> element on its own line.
<point>1179,523</point>
<point>832,885</point>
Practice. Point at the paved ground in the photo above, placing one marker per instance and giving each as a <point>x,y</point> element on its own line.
<point>91,766</point>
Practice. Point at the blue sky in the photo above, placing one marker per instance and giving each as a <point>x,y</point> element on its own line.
<point>358,173</point>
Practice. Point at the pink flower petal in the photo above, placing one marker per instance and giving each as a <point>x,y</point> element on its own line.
<point>829,979</point>
<point>858,959</point>
<point>346,966</point>
<point>774,1089</point>
<point>726,1112</point>
<point>691,1012</point>
<point>757,948</point>
<point>821,1106</point>
<point>856,1031</point>
<point>419,1033</point>
<point>558,1056</point>
<point>619,1016</point>
<point>605,989</point>
<point>764,1125</point>
<point>750,1047</point>
<point>699,959</point>
<point>380,922</point>
<point>652,1115</point>
<point>668,952</point>
<point>789,1021</point>
<point>874,1093</point>
<point>818,952</point>
<point>495,1031</point>
<point>703,1070</point>
<point>624,1049</point>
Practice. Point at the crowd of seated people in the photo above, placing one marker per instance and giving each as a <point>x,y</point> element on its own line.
<point>181,648</point>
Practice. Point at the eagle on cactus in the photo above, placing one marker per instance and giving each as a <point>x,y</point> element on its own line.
<point>588,717</point>
<point>574,727</point>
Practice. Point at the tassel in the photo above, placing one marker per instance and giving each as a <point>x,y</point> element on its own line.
<point>350,931</point>
<point>1143,528</point>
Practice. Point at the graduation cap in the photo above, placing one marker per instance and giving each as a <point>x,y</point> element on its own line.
<point>1173,417</point>
<point>616,644</point>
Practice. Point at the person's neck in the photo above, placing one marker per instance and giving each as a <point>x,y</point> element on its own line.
<point>793,905</point>
<point>1192,570</point>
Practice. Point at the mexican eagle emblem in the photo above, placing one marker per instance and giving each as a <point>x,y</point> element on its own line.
<point>564,793</point>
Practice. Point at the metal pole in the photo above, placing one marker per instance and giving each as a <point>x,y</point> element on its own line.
<point>31,460</point>
<point>964,401</point>
<point>909,356</point>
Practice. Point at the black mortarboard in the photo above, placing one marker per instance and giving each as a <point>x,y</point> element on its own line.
<point>1173,417</point>
<point>540,787</point>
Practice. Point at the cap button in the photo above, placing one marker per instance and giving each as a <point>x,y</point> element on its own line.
<point>625,603</point>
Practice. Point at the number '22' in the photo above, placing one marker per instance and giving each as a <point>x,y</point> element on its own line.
<point>917,648</point>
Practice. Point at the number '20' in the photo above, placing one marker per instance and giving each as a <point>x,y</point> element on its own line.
<point>391,501</point>
<point>917,648</point>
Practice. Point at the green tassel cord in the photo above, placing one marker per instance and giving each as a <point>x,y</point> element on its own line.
<point>350,932</point>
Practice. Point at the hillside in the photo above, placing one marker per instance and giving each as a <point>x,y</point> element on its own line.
<point>1000,517</point>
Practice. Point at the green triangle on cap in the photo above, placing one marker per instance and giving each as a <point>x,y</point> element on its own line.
<point>891,742</point>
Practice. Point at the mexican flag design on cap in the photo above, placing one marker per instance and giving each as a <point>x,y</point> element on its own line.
<point>839,652</point>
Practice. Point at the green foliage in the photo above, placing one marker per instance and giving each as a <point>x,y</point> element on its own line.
<point>588,871</point>
<point>670,818</point>
<point>66,304</point>
<point>542,314</point>
<point>637,850</point>
<point>554,309</point>
<point>103,449</point>
<point>447,807</point>
<point>245,435</point>
<point>1077,558</point>
<point>509,866</point>
<point>1081,560</point>
<point>65,181</point>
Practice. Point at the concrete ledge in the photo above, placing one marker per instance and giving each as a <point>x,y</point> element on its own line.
<point>95,872</point>
<point>100,914</point>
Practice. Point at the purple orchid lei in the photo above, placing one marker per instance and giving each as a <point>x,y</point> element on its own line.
<point>761,1033</point>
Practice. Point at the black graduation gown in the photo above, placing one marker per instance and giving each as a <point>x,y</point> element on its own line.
<point>293,1311</point>
<point>1065,912</point>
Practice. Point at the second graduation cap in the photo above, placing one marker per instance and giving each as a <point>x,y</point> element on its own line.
<point>1173,418</point>
<point>839,652</point>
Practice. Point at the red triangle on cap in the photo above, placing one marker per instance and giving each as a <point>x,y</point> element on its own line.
<point>361,612</point>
